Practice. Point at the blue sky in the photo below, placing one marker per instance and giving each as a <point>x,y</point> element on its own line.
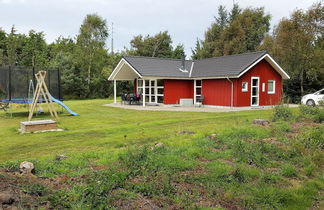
<point>186,20</point>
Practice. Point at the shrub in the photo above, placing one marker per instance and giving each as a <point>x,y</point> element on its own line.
<point>308,110</point>
<point>319,117</point>
<point>282,112</point>
<point>314,113</point>
<point>288,171</point>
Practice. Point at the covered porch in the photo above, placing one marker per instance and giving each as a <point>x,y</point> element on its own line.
<point>149,89</point>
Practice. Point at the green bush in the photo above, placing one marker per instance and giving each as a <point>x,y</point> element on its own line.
<point>282,112</point>
<point>319,117</point>
<point>313,112</point>
<point>308,110</point>
<point>288,170</point>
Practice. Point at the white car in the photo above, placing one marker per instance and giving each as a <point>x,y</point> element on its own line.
<point>313,98</point>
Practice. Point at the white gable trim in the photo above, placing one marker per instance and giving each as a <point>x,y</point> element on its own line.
<point>192,65</point>
<point>271,62</point>
<point>121,63</point>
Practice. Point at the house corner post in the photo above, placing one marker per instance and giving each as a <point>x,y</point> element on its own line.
<point>115,92</point>
<point>144,92</point>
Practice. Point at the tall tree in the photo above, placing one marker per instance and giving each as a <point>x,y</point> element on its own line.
<point>34,50</point>
<point>12,45</point>
<point>235,32</point>
<point>297,44</point>
<point>159,45</point>
<point>91,40</point>
<point>3,39</point>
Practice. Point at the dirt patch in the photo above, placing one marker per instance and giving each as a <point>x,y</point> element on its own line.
<point>137,179</point>
<point>98,167</point>
<point>202,198</point>
<point>186,132</point>
<point>140,202</point>
<point>299,125</point>
<point>195,171</point>
<point>228,162</point>
<point>25,191</point>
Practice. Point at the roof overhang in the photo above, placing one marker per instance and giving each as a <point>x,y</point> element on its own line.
<point>124,71</point>
<point>272,62</point>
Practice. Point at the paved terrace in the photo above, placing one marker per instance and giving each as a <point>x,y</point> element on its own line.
<point>188,109</point>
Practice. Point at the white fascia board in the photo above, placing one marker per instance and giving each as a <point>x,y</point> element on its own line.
<point>192,65</point>
<point>190,78</point>
<point>277,65</point>
<point>121,63</point>
<point>117,68</point>
<point>272,63</point>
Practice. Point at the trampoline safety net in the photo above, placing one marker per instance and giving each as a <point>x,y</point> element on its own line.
<point>15,83</point>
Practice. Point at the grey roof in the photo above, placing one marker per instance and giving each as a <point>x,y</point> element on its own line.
<point>148,66</point>
<point>231,65</point>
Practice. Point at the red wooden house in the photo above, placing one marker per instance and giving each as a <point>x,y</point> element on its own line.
<point>243,80</point>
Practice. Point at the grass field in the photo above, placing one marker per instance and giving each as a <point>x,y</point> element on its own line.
<point>113,163</point>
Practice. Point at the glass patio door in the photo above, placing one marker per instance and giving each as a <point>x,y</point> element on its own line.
<point>255,89</point>
<point>152,91</point>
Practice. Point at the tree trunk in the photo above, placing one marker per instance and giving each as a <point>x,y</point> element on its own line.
<point>89,73</point>
<point>302,82</point>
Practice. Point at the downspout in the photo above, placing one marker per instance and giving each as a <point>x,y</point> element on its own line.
<point>232,92</point>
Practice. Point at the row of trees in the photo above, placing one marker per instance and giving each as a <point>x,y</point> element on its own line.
<point>84,61</point>
<point>297,43</point>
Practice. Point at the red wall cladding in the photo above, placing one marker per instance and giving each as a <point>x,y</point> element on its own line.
<point>176,89</point>
<point>216,92</point>
<point>265,72</point>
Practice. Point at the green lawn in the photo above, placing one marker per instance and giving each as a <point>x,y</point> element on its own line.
<point>113,161</point>
<point>104,128</point>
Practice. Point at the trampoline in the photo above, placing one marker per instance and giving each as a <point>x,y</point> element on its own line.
<point>21,101</point>
<point>15,84</point>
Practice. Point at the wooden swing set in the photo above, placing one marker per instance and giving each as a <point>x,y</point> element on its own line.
<point>42,90</point>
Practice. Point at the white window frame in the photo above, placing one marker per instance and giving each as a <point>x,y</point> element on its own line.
<point>149,93</point>
<point>157,94</point>
<point>274,87</point>
<point>257,86</point>
<point>195,89</point>
<point>246,87</point>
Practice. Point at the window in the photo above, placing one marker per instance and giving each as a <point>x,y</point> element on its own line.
<point>154,90</point>
<point>271,86</point>
<point>160,91</point>
<point>244,86</point>
<point>197,90</point>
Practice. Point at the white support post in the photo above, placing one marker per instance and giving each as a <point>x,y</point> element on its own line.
<point>195,92</point>
<point>144,90</point>
<point>115,92</point>
<point>150,91</point>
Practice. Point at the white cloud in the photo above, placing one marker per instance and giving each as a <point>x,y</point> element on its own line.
<point>184,19</point>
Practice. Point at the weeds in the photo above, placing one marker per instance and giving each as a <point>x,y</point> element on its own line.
<point>282,112</point>
<point>288,170</point>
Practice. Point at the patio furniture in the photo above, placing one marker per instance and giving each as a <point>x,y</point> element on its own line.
<point>131,98</point>
<point>199,100</point>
